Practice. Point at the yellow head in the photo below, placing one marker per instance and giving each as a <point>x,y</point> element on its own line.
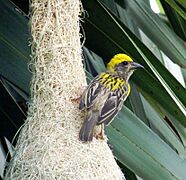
<point>117,59</point>
<point>122,65</point>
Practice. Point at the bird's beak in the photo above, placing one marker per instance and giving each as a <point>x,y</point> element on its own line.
<point>135,65</point>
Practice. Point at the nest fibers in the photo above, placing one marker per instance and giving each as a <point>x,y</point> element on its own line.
<point>48,145</point>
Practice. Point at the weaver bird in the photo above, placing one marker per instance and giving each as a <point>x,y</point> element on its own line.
<point>104,96</point>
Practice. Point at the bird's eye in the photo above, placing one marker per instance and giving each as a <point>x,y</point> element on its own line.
<point>125,63</point>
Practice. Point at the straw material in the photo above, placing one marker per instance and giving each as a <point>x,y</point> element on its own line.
<point>48,146</point>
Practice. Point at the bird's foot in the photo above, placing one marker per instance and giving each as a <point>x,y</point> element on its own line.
<point>76,100</point>
<point>101,134</point>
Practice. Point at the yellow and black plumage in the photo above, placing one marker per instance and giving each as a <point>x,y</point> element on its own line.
<point>105,94</point>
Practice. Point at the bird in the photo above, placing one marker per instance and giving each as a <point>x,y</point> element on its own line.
<point>104,96</point>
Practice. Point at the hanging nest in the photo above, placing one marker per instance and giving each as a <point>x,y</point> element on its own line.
<point>48,146</point>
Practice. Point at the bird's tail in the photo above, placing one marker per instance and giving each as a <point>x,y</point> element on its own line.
<point>86,131</point>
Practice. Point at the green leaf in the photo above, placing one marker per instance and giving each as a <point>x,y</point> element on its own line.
<point>182,3</point>
<point>142,151</point>
<point>180,129</point>
<point>12,116</point>
<point>179,10</point>
<point>129,175</point>
<point>184,74</point>
<point>158,32</point>
<point>177,22</point>
<point>136,103</point>
<point>111,4</point>
<point>14,49</point>
<point>96,61</point>
<point>158,123</point>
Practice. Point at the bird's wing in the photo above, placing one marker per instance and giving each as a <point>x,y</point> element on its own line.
<point>111,107</point>
<point>90,94</point>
